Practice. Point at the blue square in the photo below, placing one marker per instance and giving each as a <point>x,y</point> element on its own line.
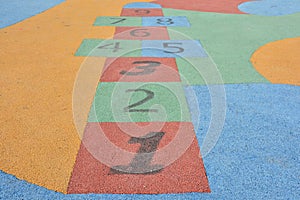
<point>172,48</point>
<point>166,21</point>
<point>142,5</point>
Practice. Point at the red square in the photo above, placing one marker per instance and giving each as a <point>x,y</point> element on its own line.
<point>142,33</point>
<point>140,69</point>
<point>139,158</point>
<point>141,12</point>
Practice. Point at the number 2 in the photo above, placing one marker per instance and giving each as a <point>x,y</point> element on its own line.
<point>150,96</point>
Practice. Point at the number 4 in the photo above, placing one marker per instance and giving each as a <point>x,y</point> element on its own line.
<point>115,48</point>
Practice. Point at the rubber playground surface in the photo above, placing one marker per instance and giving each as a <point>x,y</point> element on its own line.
<point>163,99</point>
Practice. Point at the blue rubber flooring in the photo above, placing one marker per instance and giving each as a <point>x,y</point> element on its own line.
<point>270,7</point>
<point>14,11</point>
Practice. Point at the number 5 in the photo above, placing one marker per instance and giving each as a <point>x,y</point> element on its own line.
<point>168,45</point>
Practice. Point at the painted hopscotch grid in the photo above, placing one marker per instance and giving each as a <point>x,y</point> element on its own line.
<point>172,21</point>
<point>141,48</point>
<point>140,108</point>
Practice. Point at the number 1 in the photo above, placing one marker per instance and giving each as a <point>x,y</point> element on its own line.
<point>141,163</point>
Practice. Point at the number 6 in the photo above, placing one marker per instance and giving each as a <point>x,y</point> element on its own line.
<point>143,32</point>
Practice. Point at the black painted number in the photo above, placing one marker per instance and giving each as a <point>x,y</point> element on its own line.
<point>165,21</point>
<point>173,45</point>
<point>114,46</point>
<point>118,20</point>
<point>141,32</point>
<point>147,67</point>
<point>131,108</point>
<point>142,11</point>
<point>141,163</point>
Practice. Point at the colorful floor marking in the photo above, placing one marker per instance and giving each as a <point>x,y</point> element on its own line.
<point>218,6</point>
<point>91,176</point>
<point>142,33</point>
<point>257,153</point>
<point>141,12</point>
<point>279,61</point>
<point>142,21</point>
<point>138,48</point>
<point>118,21</point>
<point>168,21</point>
<point>153,70</point>
<point>166,99</point>
<point>173,48</point>
<point>110,48</point>
<point>271,7</point>
<point>137,5</point>
<point>167,158</point>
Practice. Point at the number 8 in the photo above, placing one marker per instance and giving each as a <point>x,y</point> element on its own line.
<point>165,21</point>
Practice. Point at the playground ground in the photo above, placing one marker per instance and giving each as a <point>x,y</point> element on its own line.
<point>222,80</point>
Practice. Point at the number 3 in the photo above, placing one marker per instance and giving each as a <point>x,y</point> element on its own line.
<point>147,69</point>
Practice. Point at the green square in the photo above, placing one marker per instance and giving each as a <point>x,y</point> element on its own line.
<point>112,99</point>
<point>118,21</point>
<point>198,71</point>
<point>110,48</point>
